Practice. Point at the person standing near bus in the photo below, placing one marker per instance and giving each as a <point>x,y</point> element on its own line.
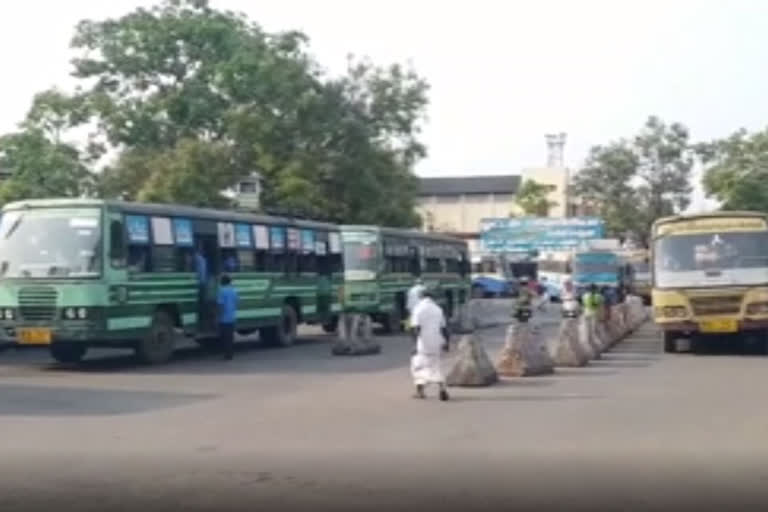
<point>227,301</point>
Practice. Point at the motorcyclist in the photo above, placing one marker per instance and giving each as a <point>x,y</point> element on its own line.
<point>523,305</point>
<point>570,303</point>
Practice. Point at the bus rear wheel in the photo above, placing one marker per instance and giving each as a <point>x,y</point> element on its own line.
<point>157,346</point>
<point>283,334</point>
<point>68,353</point>
<point>393,321</point>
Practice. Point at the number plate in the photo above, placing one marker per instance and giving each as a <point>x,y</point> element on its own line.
<point>35,336</point>
<point>725,325</point>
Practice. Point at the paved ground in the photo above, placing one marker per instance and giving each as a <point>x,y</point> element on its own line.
<point>300,428</point>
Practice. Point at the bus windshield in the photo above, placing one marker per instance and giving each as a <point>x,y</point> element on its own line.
<point>361,256</point>
<point>50,243</point>
<point>695,260</point>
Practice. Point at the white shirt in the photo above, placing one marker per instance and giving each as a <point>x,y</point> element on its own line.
<point>414,296</point>
<point>429,317</point>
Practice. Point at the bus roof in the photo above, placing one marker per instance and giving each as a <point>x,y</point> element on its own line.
<point>708,215</point>
<point>167,209</point>
<point>404,233</point>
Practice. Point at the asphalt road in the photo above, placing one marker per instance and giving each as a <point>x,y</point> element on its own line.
<point>299,428</point>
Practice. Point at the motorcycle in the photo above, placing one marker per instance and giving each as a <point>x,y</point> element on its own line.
<point>570,307</point>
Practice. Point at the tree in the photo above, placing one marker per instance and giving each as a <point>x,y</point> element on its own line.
<point>533,198</point>
<point>40,168</point>
<point>634,182</point>
<point>182,82</point>
<point>736,170</point>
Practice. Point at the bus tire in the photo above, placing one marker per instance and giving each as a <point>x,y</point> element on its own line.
<point>393,321</point>
<point>284,333</point>
<point>157,346</point>
<point>68,353</point>
<point>670,342</point>
<point>331,325</point>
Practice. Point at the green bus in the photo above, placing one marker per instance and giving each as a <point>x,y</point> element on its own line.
<point>80,273</point>
<point>381,264</point>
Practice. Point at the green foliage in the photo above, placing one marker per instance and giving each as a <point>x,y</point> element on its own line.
<point>533,198</point>
<point>736,170</point>
<point>40,167</point>
<point>196,97</point>
<point>632,183</point>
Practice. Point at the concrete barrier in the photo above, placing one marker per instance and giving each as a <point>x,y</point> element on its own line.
<point>524,354</point>
<point>569,350</point>
<point>472,367</point>
<point>355,336</point>
<point>587,341</point>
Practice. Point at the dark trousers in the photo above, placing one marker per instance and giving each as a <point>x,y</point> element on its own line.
<point>227,338</point>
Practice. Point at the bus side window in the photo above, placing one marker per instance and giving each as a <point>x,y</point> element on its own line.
<point>117,244</point>
<point>138,258</point>
<point>414,263</point>
<point>246,260</point>
<point>307,263</point>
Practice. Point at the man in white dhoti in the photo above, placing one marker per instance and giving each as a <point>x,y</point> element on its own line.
<point>429,326</point>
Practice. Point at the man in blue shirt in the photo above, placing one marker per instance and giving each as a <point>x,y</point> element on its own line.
<point>227,301</point>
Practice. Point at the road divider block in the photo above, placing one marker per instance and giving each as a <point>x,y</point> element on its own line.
<point>524,354</point>
<point>472,366</point>
<point>355,336</point>
<point>569,350</point>
<point>589,337</point>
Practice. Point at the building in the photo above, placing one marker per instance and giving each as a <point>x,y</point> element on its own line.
<point>457,205</point>
<point>246,193</point>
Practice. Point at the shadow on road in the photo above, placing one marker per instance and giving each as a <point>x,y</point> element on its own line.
<point>308,355</point>
<point>58,401</point>
<point>523,398</point>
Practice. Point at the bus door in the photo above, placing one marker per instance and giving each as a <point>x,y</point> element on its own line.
<point>206,239</point>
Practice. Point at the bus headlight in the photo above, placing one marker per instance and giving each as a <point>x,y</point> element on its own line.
<point>70,313</point>
<point>757,308</point>
<point>82,313</point>
<point>8,314</point>
<point>675,311</point>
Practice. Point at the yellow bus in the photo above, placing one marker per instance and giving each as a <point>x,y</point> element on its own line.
<point>710,277</point>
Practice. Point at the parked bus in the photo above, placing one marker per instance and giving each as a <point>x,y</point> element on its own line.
<point>381,264</point>
<point>77,273</point>
<point>710,276</point>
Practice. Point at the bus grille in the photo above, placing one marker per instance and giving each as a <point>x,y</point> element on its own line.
<point>728,305</point>
<point>37,303</point>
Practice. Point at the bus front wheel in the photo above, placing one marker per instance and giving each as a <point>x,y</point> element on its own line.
<point>331,325</point>
<point>68,352</point>
<point>670,342</point>
<point>157,346</point>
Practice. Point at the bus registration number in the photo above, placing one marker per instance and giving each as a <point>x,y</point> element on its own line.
<point>35,336</point>
<point>720,325</point>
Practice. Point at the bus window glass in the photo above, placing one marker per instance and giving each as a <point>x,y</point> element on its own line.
<point>51,243</point>
<point>737,258</point>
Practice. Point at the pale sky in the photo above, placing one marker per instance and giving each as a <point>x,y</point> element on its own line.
<point>503,73</point>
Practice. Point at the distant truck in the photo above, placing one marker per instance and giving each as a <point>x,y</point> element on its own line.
<point>601,268</point>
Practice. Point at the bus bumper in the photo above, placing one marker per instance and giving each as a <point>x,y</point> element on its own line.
<point>691,327</point>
